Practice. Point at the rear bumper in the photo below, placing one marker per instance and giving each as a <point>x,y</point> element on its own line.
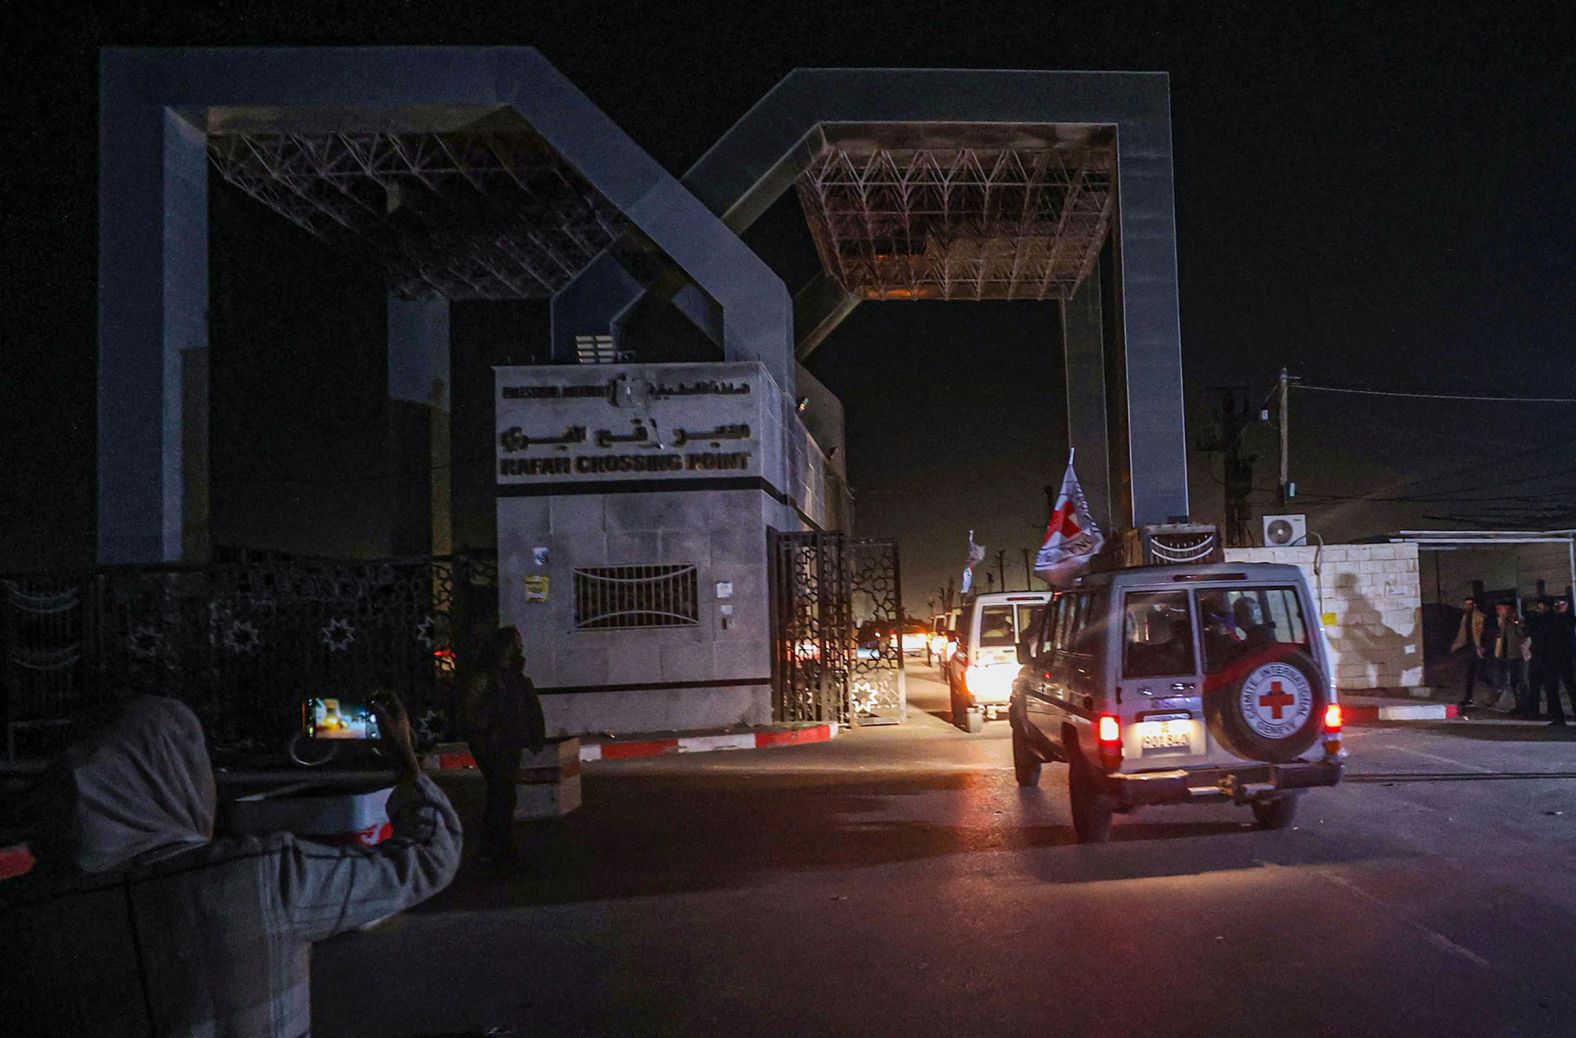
<point>1240,784</point>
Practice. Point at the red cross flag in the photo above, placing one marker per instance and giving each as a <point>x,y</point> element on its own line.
<point>1071,539</point>
<point>976,556</point>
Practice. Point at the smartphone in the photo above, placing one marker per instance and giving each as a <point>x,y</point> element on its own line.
<point>325,718</point>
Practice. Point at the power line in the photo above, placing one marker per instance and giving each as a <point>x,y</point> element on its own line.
<point>1471,469</point>
<point>1437,396</point>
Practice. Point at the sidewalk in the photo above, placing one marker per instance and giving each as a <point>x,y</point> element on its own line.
<point>454,756</point>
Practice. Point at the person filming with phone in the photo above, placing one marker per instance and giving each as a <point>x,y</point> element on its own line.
<point>137,920</point>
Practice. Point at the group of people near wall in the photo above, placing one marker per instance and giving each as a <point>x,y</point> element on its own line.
<point>1520,660</point>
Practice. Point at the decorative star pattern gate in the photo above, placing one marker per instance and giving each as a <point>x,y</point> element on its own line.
<point>242,643</point>
<point>838,614</point>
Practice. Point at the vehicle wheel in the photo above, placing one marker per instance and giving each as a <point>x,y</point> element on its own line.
<point>1091,809</point>
<point>1025,762</point>
<point>973,720</point>
<point>1275,812</point>
<point>1271,709</point>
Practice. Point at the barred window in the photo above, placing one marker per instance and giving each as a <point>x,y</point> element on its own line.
<point>621,598</point>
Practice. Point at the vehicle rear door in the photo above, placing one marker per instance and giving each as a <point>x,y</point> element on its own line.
<point>1160,686</point>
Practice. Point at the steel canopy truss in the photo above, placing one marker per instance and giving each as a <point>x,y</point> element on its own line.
<point>463,215</point>
<point>962,223</point>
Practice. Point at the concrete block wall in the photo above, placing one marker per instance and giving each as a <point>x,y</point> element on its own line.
<point>1371,603</point>
<point>661,679</point>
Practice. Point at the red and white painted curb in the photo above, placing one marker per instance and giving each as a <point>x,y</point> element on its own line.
<point>1361,713</point>
<point>617,750</point>
<point>15,861</point>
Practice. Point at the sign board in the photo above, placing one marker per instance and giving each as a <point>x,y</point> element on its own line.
<point>536,588</point>
<point>597,422</point>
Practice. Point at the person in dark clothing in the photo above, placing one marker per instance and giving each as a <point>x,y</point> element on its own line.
<point>1540,639</point>
<point>500,715</point>
<point>1470,635</point>
<point>1510,668</point>
<point>1560,645</point>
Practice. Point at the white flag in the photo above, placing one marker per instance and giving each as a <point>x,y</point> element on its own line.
<point>1071,538</point>
<point>976,555</point>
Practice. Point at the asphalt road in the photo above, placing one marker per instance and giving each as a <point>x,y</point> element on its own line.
<point>897,882</point>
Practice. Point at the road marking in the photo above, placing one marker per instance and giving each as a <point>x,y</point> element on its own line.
<point>1432,936</point>
<point>1442,759</point>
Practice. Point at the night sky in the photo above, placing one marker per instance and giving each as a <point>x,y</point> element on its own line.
<point>1372,198</point>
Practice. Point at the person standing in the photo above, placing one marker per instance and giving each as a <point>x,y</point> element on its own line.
<point>1561,659</point>
<point>1510,667</point>
<point>1538,652</point>
<point>500,715</point>
<point>1470,635</point>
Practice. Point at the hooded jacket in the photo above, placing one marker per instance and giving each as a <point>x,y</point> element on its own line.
<point>138,922</point>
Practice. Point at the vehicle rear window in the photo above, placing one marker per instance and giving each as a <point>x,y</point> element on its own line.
<point>1239,620</point>
<point>997,626</point>
<point>1157,634</point>
<point>1029,617</point>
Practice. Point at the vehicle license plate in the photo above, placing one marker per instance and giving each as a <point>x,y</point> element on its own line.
<point>1159,737</point>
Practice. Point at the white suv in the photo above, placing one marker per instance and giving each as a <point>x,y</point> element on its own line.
<point>981,669</point>
<point>1179,684</point>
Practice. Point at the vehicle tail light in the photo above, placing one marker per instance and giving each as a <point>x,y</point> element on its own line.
<point>1108,733</point>
<point>1332,730</point>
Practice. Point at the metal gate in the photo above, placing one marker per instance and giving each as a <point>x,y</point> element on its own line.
<point>242,643</point>
<point>837,608</point>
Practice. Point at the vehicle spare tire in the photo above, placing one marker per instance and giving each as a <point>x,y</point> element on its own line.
<point>1268,706</point>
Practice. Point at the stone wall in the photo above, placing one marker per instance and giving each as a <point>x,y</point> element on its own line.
<point>1371,604</point>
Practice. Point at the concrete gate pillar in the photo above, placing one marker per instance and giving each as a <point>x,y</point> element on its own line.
<point>420,516</point>
<point>153,333</point>
<point>1083,344</point>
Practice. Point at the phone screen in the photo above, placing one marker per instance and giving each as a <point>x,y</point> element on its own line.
<point>326,718</point>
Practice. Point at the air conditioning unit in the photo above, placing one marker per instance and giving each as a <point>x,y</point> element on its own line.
<point>1285,529</point>
<point>595,349</point>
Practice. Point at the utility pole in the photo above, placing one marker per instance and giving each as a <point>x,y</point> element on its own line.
<point>1230,422</point>
<point>1028,574</point>
<point>1285,480</point>
<point>1001,567</point>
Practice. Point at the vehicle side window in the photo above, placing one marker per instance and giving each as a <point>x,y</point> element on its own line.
<point>1092,625</point>
<point>1059,622</point>
<point>1029,618</point>
<point>1238,621</point>
<point>1048,627</point>
<point>1067,626</point>
<point>1157,634</point>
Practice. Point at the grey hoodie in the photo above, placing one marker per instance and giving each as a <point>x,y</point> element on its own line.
<point>138,922</point>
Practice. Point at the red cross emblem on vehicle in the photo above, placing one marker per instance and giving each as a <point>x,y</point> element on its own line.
<point>1277,699</point>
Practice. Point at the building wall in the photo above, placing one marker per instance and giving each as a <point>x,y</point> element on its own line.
<point>1371,603</point>
<point>715,673</point>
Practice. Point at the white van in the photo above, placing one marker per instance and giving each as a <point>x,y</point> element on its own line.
<point>982,666</point>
